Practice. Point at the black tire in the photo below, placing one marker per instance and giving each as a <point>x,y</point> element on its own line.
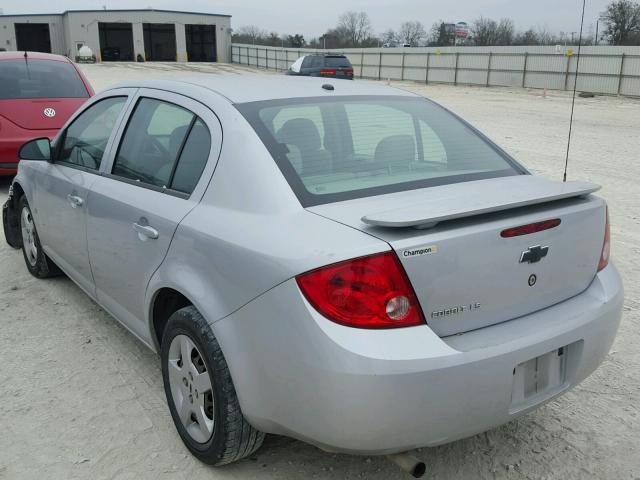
<point>233,437</point>
<point>43,267</point>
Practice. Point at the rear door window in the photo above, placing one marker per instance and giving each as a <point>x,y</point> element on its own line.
<point>164,146</point>
<point>20,79</point>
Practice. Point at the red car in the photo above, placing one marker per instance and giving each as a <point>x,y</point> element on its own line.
<point>38,93</point>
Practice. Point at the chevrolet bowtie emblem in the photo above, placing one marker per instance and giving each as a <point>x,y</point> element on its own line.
<point>534,254</point>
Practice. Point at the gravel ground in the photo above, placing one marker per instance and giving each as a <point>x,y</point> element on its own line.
<point>81,398</point>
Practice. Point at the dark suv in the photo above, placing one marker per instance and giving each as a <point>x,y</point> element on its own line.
<point>334,66</point>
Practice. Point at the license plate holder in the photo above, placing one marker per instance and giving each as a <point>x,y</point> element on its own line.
<point>539,378</point>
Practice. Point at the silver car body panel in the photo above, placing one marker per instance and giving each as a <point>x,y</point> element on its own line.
<point>234,247</point>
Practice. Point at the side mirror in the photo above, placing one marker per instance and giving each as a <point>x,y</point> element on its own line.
<point>38,149</point>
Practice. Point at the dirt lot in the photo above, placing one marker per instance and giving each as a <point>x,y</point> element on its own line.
<point>81,398</point>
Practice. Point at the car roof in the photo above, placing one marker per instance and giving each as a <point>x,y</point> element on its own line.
<point>15,55</point>
<point>250,87</point>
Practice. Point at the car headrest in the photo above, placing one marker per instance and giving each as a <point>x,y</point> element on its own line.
<point>396,149</point>
<point>301,132</point>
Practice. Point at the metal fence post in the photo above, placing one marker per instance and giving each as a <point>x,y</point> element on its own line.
<point>426,73</point>
<point>379,65</point>
<point>361,62</point>
<point>266,58</point>
<point>247,56</point>
<point>455,72</point>
<point>566,73</point>
<point>402,67</point>
<point>488,69</point>
<point>524,69</point>
<point>621,73</point>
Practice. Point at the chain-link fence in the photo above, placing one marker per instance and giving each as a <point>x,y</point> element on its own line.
<point>602,69</point>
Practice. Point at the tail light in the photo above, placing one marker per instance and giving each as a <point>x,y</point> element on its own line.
<point>327,72</point>
<point>606,245</point>
<point>348,72</point>
<point>366,292</point>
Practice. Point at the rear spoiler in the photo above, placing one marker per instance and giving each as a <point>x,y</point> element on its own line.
<point>468,199</point>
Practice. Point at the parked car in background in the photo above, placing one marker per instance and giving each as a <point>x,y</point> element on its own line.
<point>38,94</point>
<point>320,65</point>
<point>353,266</point>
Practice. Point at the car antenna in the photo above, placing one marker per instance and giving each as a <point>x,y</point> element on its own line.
<point>573,98</point>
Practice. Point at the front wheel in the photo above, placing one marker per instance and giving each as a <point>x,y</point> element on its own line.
<point>38,264</point>
<point>200,393</point>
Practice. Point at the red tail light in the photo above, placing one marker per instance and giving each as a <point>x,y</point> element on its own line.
<point>530,228</point>
<point>366,292</point>
<point>327,72</point>
<point>348,72</point>
<point>606,245</point>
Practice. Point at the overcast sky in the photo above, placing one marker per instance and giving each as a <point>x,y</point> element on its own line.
<point>312,18</point>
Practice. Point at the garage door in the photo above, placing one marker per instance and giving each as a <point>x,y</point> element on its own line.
<point>116,41</point>
<point>33,37</point>
<point>159,42</point>
<point>201,43</point>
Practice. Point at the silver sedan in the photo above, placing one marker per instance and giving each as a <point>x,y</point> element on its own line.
<point>340,262</point>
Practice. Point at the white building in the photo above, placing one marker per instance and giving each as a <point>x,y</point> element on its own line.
<point>122,35</point>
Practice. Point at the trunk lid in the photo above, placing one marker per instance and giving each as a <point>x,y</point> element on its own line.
<point>29,113</point>
<point>465,274</point>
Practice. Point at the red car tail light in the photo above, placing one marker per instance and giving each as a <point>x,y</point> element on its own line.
<point>348,72</point>
<point>606,245</point>
<point>327,72</point>
<point>530,228</point>
<point>365,292</point>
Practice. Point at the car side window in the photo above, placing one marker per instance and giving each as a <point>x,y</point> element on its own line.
<point>164,145</point>
<point>85,140</point>
<point>307,62</point>
<point>193,158</point>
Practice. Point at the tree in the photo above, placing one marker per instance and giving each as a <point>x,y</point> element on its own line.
<point>489,32</point>
<point>441,35</point>
<point>529,37</point>
<point>505,32</point>
<point>389,37</point>
<point>412,33</point>
<point>622,21</point>
<point>354,28</point>
<point>249,34</point>
<point>296,41</point>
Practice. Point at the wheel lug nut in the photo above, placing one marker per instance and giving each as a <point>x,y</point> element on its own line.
<point>184,380</point>
<point>191,398</point>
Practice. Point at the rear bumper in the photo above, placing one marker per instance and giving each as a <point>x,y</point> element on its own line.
<point>376,392</point>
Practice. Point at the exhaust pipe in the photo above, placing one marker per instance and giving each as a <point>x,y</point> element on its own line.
<point>410,464</point>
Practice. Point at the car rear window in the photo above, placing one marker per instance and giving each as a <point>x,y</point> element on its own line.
<point>337,62</point>
<point>39,79</point>
<point>338,149</point>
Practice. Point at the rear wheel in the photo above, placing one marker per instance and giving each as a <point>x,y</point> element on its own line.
<point>38,264</point>
<point>200,393</point>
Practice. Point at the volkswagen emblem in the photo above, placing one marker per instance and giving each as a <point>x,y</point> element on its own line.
<point>49,112</point>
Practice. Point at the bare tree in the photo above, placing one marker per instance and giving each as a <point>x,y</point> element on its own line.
<point>484,31</point>
<point>489,32</point>
<point>250,34</point>
<point>529,37</point>
<point>412,33</point>
<point>505,32</point>
<point>355,27</point>
<point>389,37</point>
<point>622,20</point>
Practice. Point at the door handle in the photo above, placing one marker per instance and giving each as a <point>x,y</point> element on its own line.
<point>75,200</point>
<point>146,231</point>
